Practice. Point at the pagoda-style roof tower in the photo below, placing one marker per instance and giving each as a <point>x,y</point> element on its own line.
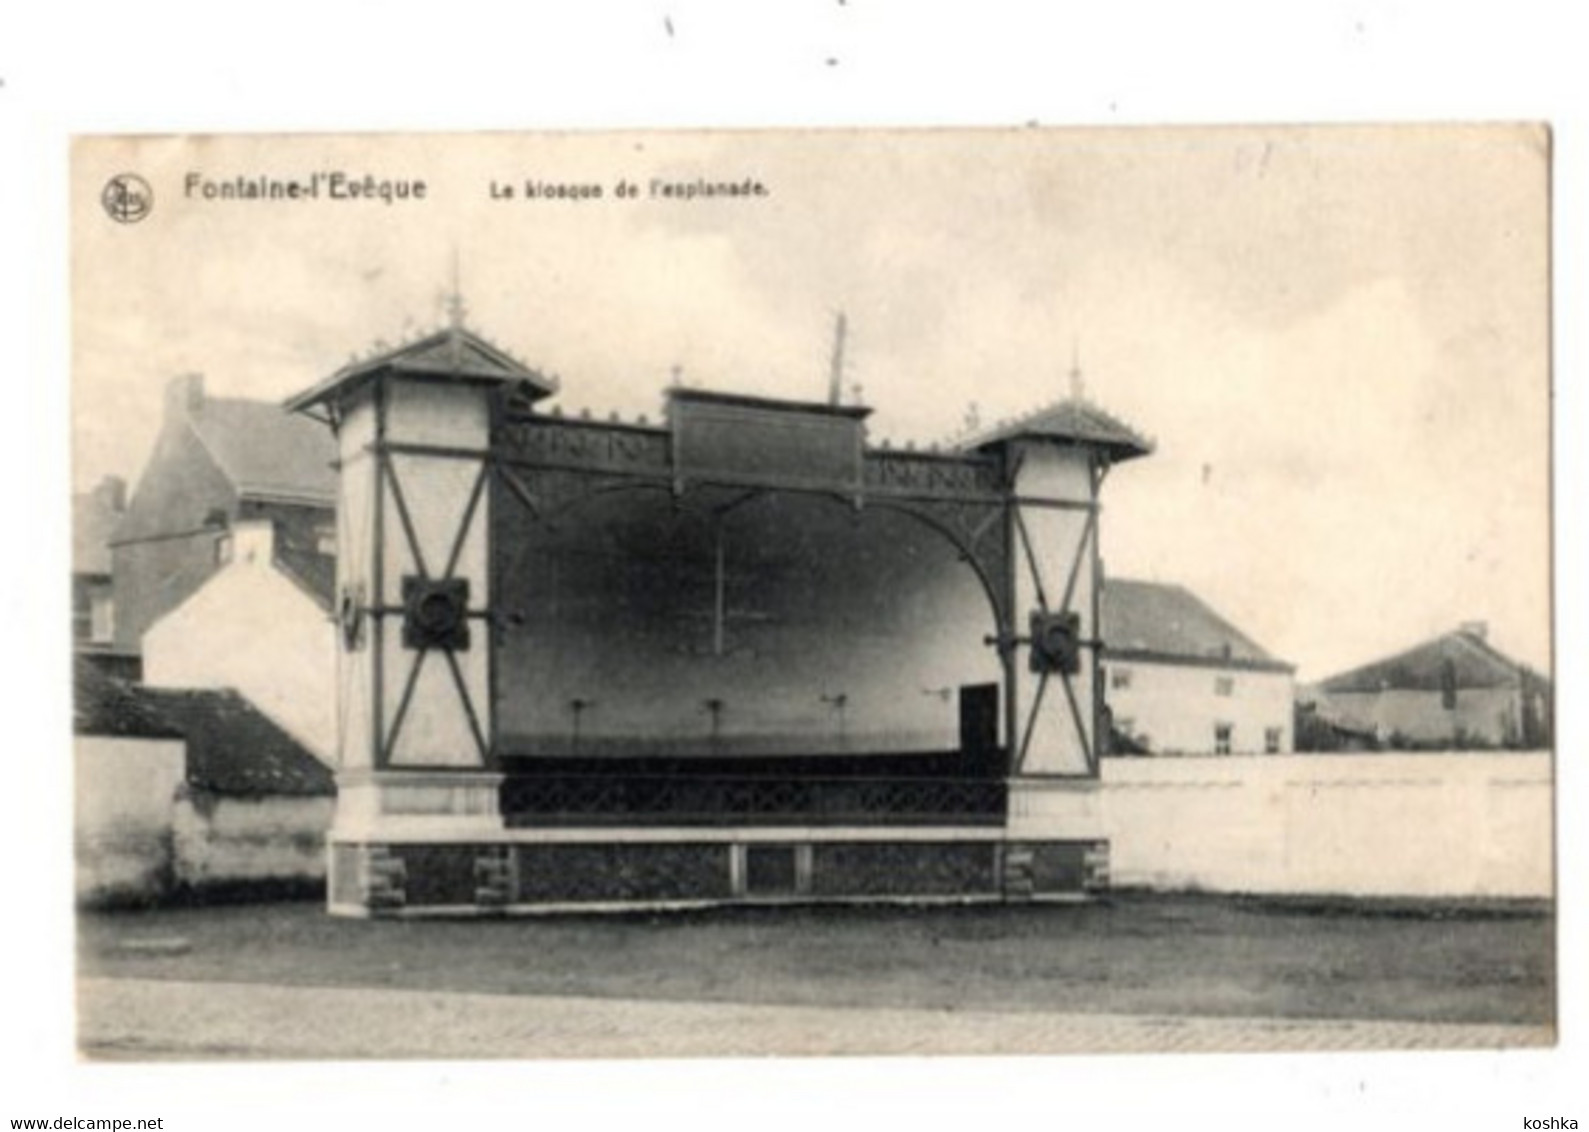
<point>1075,421</point>
<point>454,355</point>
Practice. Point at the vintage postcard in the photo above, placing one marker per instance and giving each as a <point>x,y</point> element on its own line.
<point>813,592</point>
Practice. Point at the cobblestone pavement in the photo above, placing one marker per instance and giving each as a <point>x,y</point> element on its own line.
<point>150,1019</point>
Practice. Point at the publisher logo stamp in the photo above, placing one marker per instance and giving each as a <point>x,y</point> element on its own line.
<point>127,198</point>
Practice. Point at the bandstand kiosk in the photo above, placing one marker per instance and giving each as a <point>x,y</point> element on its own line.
<point>738,656</point>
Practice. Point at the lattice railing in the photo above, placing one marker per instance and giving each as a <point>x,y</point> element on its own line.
<point>531,800</point>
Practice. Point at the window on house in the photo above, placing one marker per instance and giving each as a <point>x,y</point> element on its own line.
<point>102,620</point>
<point>1120,677</point>
<point>1271,740</point>
<point>1224,685</point>
<point>1222,738</point>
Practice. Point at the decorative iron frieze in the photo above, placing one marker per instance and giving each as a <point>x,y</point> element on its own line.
<point>926,474</point>
<point>614,447</point>
<point>586,799</point>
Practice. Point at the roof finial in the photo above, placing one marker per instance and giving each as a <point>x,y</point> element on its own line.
<point>453,302</point>
<point>1078,391</point>
<point>836,366</point>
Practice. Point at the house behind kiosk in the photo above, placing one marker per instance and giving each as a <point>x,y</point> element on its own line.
<point>218,461</point>
<point>1454,691</point>
<point>1181,679</point>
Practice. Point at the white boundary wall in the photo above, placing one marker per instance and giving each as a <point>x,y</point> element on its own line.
<point>124,788</point>
<point>140,831</point>
<point>1436,824</point>
<point>231,840</point>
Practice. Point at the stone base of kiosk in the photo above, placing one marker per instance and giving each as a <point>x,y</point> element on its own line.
<point>431,843</point>
<point>570,870</point>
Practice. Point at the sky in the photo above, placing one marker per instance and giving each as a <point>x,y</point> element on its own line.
<point>1337,336</point>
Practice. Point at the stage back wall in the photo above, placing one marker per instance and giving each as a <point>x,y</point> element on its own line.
<point>732,621</point>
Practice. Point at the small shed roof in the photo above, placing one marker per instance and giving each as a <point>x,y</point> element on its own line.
<point>104,705</point>
<point>235,749</point>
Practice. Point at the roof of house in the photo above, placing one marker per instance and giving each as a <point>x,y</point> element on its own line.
<point>235,749</point>
<point>104,705</point>
<point>453,354</point>
<point>232,747</point>
<point>266,451</point>
<point>1151,620</point>
<point>249,450</point>
<point>95,515</point>
<point>1076,420</point>
<point>1471,662</point>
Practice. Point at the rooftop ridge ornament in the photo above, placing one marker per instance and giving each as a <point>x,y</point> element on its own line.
<point>1078,390</point>
<point>448,353</point>
<point>456,310</point>
<point>836,362</point>
<point>452,302</point>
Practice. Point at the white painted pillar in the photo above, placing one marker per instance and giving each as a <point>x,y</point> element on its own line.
<point>1054,751</point>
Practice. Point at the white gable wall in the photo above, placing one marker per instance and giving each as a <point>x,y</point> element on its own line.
<point>253,629</point>
<point>1176,707</point>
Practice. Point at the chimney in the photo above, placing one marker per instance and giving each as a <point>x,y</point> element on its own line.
<point>253,541</point>
<point>1479,629</point>
<point>184,395</point>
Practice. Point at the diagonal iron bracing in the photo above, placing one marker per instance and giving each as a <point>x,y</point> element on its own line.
<point>1031,720</point>
<point>468,705</point>
<point>1081,729</point>
<point>467,520</point>
<point>404,515</point>
<point>1082,543</point>
<point>401,714</point>
<point>1031,558</point>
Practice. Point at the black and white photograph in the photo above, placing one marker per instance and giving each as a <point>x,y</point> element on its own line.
<point>793,565</point>
<point>816,592</point>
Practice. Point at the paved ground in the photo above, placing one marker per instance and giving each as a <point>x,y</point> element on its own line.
<point>1131,973</point>
<point>144,1019</point>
